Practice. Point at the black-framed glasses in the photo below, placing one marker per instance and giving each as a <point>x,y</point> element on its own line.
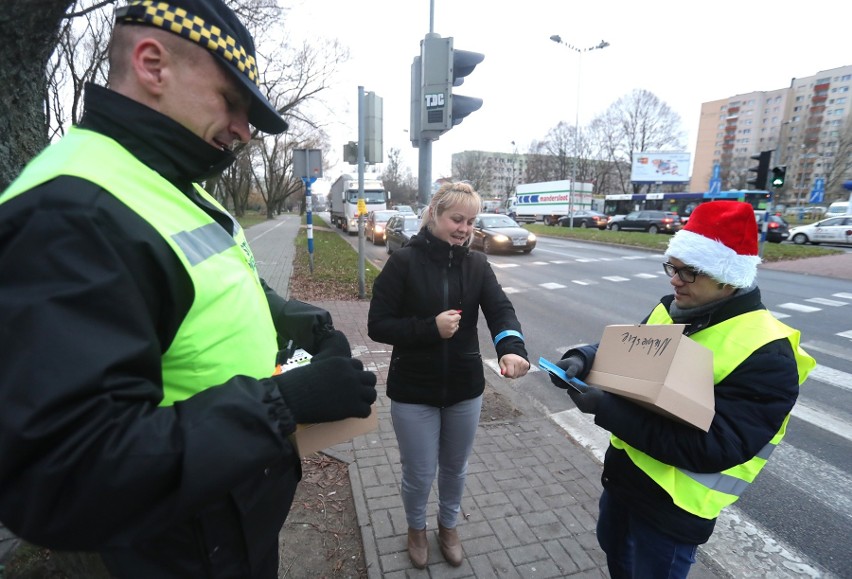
<point>686,274</point>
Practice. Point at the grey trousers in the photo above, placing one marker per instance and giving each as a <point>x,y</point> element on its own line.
<point>434,439</point>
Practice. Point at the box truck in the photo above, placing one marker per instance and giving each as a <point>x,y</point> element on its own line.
<point>548,201</point>
<point>343,200</point>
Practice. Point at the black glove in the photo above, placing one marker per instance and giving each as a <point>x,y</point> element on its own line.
<point>334,343</point>
<point>588,401</point>
<point>573,365</point>
<point>327,390</point>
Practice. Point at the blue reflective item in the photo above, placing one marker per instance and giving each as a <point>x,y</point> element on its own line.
<point>506,334</point>
<point>576,383</point>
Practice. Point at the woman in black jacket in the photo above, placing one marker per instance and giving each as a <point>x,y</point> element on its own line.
<point>426,304</point>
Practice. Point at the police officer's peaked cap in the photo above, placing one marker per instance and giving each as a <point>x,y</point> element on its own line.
<point>214,26</point>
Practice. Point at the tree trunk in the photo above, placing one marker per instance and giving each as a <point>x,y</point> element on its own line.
<point>28,34</point>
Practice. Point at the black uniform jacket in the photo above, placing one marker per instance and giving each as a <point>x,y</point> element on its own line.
<point>90,298</point>
<point>751,404</point>
<point>419,281</point>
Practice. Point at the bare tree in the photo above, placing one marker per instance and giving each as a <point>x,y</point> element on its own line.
<point>840,168</point>
<point>80,57</point>
<point>400,183</point>
<point>638,122</point>
<point>30,31</point>
<point>471,166</point>
<point>233,187</point>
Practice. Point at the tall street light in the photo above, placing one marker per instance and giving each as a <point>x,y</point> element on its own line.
<point>603,44</point>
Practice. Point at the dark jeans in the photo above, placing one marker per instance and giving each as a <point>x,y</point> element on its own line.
<point>635,549</point>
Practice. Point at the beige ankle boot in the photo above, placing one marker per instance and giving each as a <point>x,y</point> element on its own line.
<point>448,540</point>
<point>418,547</point>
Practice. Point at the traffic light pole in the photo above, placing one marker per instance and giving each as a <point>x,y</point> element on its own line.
<point>424,172</point>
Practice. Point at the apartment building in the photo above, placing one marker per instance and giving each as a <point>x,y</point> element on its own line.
<point>807,125</point>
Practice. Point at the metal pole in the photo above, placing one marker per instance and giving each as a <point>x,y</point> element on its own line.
<point>424,171</point>
<point>308,218</point>
<point>362,293</point>
<point>603,44</point>
<point>576,146</point>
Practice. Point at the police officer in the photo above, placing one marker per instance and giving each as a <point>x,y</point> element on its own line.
<point>139,417</point>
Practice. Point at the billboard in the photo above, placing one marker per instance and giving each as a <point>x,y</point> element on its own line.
<point>660,167</point>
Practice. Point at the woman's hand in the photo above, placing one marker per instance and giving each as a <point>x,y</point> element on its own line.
<point>448,323</point>
<point>513,366</point>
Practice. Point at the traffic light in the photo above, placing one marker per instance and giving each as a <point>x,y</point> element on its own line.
<point>441,68</point>
<point>762,170</point>
<point>778,175</point>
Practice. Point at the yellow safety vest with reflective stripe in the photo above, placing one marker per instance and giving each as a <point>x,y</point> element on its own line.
<point>228,330</point>
<point>732,341</point>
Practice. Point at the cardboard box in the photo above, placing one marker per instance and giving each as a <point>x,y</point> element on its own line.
<point>311,438</point>
<point>659,368</point>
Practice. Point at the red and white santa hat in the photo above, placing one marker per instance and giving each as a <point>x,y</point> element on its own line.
<point>720,240</point>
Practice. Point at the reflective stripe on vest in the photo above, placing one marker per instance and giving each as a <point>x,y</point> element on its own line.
<point>228,330</point>
<point>732,341</point>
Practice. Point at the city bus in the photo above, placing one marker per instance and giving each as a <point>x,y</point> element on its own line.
<point>681,203</point>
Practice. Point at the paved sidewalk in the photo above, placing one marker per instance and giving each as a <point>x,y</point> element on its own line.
<point>531,497</point>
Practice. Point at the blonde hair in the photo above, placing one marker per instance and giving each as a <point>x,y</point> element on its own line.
<point>451,195</point>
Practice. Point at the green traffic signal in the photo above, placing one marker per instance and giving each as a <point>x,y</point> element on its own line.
<point>778,176</point>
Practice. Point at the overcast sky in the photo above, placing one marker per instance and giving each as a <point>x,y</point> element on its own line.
<point>686,54</point>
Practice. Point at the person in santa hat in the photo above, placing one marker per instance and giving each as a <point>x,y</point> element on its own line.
<point>665,482</point>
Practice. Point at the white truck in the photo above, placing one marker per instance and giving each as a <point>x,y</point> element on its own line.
<point>343,200</point>
<point>547,201</point>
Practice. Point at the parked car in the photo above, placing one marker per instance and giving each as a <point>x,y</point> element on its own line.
<point>374,226</point>
<point>831,230</point>
<point>399,230</point>
<point>494,232</point>
<point>403,209</point>
<point>585,218</point>
<point>652,221</point>
<point>777,230</point>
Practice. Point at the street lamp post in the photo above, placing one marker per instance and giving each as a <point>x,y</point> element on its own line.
<point>603,44</point>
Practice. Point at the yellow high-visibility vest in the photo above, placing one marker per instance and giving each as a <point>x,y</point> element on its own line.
<point>228,330</point>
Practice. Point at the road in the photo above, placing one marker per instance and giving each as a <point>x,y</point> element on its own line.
<point>795,520</point>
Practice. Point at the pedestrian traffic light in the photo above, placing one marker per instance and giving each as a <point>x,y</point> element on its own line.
<point>761,170</point>
<point>778,175</point>
<point>442,68</point>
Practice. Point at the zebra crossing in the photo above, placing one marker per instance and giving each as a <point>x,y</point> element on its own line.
<point>780,311</point>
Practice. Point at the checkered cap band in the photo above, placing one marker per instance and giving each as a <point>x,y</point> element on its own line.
<point>192,27</point>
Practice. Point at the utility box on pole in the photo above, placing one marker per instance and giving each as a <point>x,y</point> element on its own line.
<point>373,128</point>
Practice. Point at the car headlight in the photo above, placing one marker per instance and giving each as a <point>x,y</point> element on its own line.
<point>531,237</point>
<point>379,229</point>
<point>500,238</point>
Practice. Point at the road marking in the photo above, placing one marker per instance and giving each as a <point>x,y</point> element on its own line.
<point>540,263</point>
<point>845,334</point>
<point>646,275</point>
<point>615,278</point>
<point>586,259</point>
<point>503,265</point>
<point>821,418</point>
<point>827,348</point>
<point>799,307</point>
<point>552,285</point>
<point>778,315</point>
<point>814,477</point>
<point>584,282</point>
<point>632,257</point>
<point>832,377</point>
<point>826,302</point>
<point>845,296</point>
